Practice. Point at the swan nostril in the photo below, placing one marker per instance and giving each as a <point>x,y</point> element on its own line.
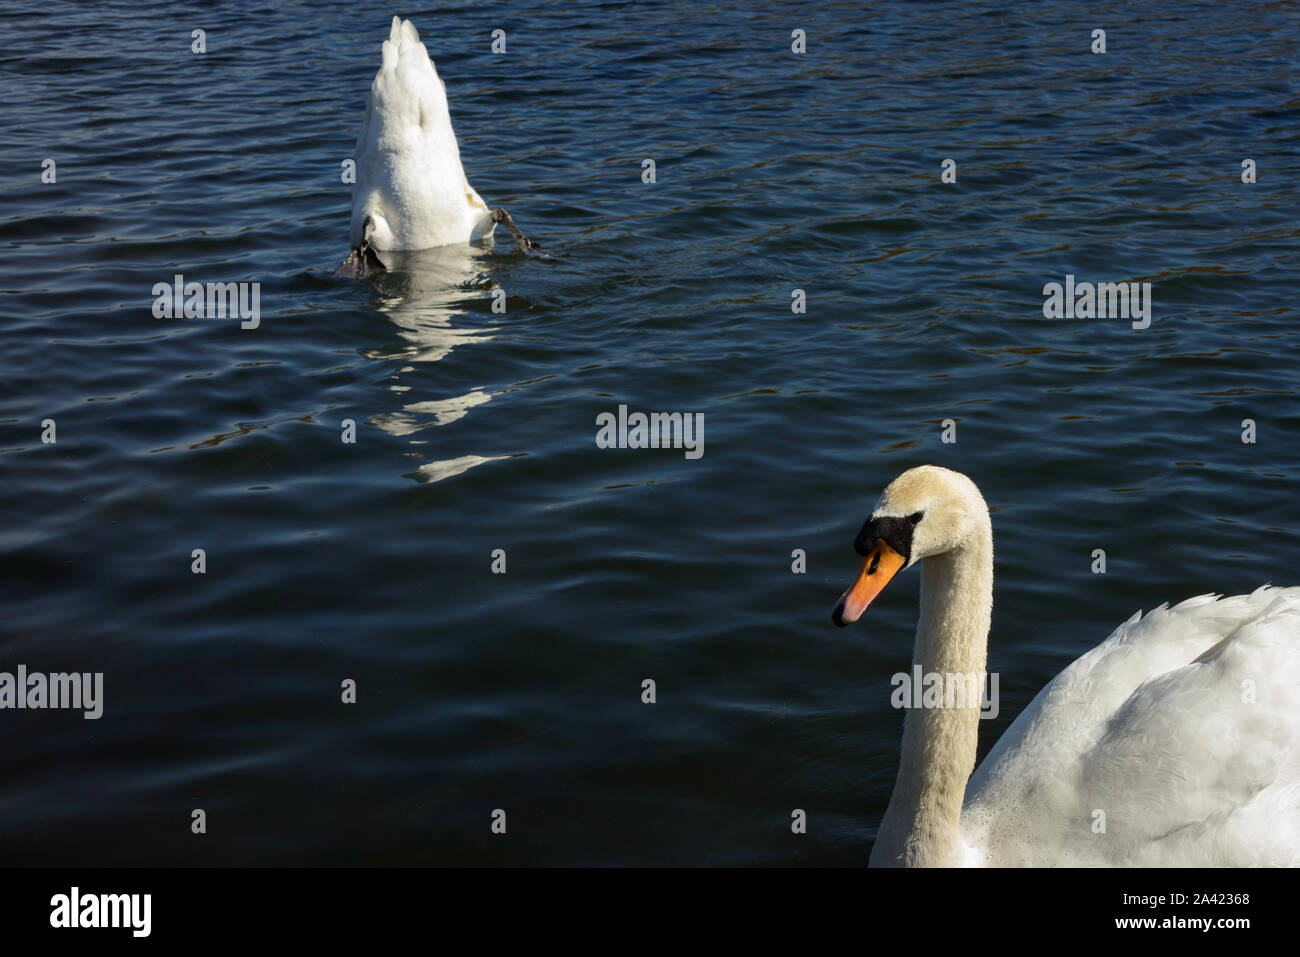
<point>875,560</point>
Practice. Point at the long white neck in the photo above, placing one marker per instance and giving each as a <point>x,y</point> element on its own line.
<point>921,827</point>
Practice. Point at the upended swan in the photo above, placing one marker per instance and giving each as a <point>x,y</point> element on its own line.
<point>1175,742</point>
<point>411,191</point>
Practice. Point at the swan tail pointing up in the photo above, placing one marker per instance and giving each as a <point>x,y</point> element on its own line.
<point>409,173</point>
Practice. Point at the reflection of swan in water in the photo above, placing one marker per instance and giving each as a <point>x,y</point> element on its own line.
<point>424,295</point>
<point>420,415</point>
<point>437,471</point>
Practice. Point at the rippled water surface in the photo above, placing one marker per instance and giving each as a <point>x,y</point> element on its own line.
<point>475,430</point>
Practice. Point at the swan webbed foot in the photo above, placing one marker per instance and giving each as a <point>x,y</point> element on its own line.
<point>363,261</point>
<point>527,246</point>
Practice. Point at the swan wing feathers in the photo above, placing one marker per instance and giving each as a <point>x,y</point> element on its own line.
<point>409,175</point>
<point>1175,742</point>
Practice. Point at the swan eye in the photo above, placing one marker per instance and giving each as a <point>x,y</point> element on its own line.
<point>916,517</point>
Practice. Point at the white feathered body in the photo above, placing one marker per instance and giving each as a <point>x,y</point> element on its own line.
<point>409,176</point>
<point>1174,743</point>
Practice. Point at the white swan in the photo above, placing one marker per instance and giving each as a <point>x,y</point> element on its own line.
<point>1175,742</point>
<point>409,179</point>
<point>411,191</point>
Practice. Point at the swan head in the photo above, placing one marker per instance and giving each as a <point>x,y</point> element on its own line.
<point>926,511</point>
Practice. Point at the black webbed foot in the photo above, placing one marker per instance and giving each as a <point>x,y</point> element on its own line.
<point>362,261</point>
<point>527,246</point>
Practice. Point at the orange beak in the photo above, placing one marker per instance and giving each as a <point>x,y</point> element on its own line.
<point>880,565</point>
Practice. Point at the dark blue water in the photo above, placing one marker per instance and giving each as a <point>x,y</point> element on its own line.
<point>476,430</point>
